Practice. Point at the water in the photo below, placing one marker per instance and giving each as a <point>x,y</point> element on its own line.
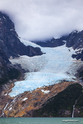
<point>41,120</point>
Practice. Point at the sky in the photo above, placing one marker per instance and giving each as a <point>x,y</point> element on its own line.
<point>44,19</point>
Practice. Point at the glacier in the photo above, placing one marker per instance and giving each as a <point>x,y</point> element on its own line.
<point>54,66</point>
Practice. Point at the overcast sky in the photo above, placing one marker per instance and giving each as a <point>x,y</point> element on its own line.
<point>43,19</point>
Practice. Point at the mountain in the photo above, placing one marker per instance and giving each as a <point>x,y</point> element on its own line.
<point>10,42</point>
<point>34,76</point>
<point>74,40</point>
<point>10,46</point>
<point>61,104</point>
<point>51,43</point>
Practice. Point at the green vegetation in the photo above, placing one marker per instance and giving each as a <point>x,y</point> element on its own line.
<point>57,105</point>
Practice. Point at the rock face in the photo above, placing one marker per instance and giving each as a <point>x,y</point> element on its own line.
<point>51,101</point>
<point>61,105</point>
<point>51,43</point>
<point>24,104</point>
<point>74,40</point>
<point>10,42</point>
<point>10,45</point>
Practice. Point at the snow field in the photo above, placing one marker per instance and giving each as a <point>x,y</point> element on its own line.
<point>50,68</point>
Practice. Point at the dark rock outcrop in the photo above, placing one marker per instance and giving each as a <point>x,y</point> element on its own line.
<point>9,41</point>
<point>60,105</point>
<point>51,43</point>
<point>74,40</point>
<point>10,45</point>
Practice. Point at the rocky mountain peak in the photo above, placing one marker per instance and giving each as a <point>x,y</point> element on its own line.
<point>10,42</point>
<point>6,26</point>
<point>10,45</point>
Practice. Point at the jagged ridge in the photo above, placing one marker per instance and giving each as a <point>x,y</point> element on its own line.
<point>74,40</point>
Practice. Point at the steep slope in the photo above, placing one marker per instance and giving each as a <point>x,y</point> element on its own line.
<point>61,104</point>
<point>74,40</point>
<point>50,69</point>
<point>51,43</point>
<point>10,45</point>
<point>55,66</point>
<point>10,42</point>
<point>24,104</point>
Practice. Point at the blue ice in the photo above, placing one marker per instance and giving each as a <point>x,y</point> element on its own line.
<point>51,67</point>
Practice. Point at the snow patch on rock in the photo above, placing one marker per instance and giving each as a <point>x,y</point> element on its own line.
<point>45,91</point>
<point>24,99</point>
<point>10,109</point>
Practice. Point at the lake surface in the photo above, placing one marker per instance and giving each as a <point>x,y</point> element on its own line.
<point>41,120</point>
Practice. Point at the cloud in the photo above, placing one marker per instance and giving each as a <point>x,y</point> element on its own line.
<point>43,19</point>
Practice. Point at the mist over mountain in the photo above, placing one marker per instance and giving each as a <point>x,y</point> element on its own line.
<point>41,20</point>
<point>74,40</point>
<point>10,46</point>
<point>34,75</point>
